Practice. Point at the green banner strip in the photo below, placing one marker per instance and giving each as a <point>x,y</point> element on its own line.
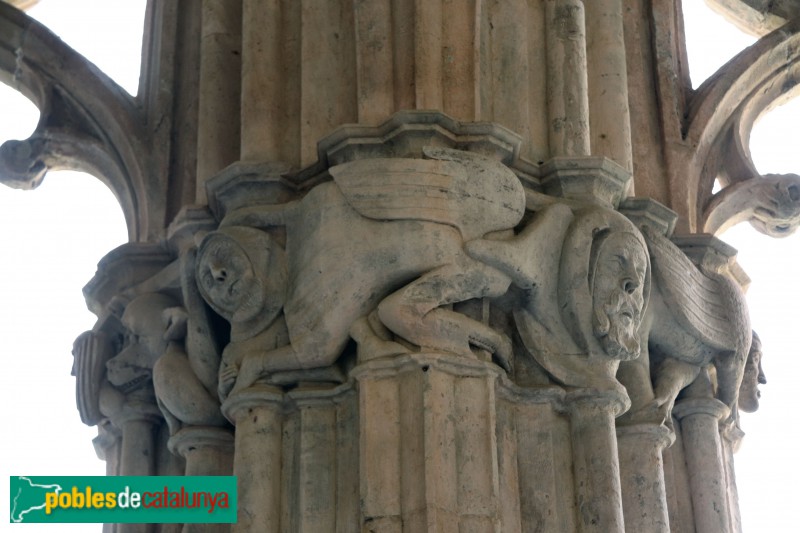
<point>123,499</point>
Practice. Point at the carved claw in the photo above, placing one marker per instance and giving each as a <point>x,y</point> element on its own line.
<point>227,380</point>
<point>250,372</point>
<point>374,339</point>
<point>499,346</point>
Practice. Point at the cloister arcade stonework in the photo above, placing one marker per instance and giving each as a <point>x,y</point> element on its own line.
<point>421,266</point>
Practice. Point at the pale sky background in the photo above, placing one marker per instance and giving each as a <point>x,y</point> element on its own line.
<point>52,239</point>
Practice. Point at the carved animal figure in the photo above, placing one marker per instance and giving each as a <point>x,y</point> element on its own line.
<point>146,319</point>
<point>697,317</point>
<point>400,225</point>
<point>185,375</point>
<point>585,275</point>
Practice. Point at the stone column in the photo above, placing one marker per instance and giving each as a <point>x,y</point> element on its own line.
<point>208,452</point>
<point>262,79</point>
<point>699,419</point>
<point>257,413</point>
<point>596,459</point>
<point>320,459</point>
<point>732,437</point>
<point>107,446</point>
<point>608,82</point>
<point>138,421</point>
<point>644,495</point>
<point>567,85</point>
<point>428,444</point>
<point>220,72</point>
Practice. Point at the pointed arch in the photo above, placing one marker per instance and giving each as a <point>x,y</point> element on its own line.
<point>722,112</point>
<point>87,123</point>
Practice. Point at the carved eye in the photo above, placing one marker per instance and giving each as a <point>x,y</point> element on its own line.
<point>629,286</point>
<point>794,192</point>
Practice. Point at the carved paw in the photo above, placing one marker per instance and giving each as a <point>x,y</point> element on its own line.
<point>498,345</point>
<point>227,379</point>
<point>248,374</point>
<point>655,411</point>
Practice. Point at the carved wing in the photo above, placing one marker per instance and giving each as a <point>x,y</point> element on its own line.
<point>475,194</point>
<point>91,350</point>
<point>695,300</point>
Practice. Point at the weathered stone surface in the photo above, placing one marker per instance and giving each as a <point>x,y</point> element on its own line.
<point>386,269</point>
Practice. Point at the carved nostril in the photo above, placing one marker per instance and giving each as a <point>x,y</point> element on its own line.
<point>219,274</point>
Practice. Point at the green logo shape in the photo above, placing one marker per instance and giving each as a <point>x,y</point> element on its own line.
<point>123,499</point>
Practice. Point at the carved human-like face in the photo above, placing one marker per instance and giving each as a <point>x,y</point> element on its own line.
<point>618,294</point>
<point>753,375</point>
<point>227,280</point>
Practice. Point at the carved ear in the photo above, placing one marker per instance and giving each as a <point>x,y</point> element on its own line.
<point>175,319</point>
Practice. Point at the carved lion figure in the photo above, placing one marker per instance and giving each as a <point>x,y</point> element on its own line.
<point>399,225</point>
<point>698,317</point>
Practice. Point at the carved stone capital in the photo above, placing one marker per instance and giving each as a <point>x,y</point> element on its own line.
<point>706,251</point>
<point>241,402</point>
<point>700,406</point>
<point>406,133</point>
<point>119,271</point>
<point>648,212</point>
<point>650,435</point>
<point>453,365</point>
<point>592,180</point>
<point>190,438</point>
<point>613,402</point>
<point>244,183</point>
<point>191,224</point>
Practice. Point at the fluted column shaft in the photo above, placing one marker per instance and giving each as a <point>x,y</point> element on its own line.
<point>428,446</point>
<point>608,82</point>
<point>257,413</point>
<point>208,452</point>
<point>261,80</point>
<point>644,495</point>
<point>139,421</point>
<point>596,460</point>
<point>699,419</point>
<point>567,85</point>
<point>219,94</point>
